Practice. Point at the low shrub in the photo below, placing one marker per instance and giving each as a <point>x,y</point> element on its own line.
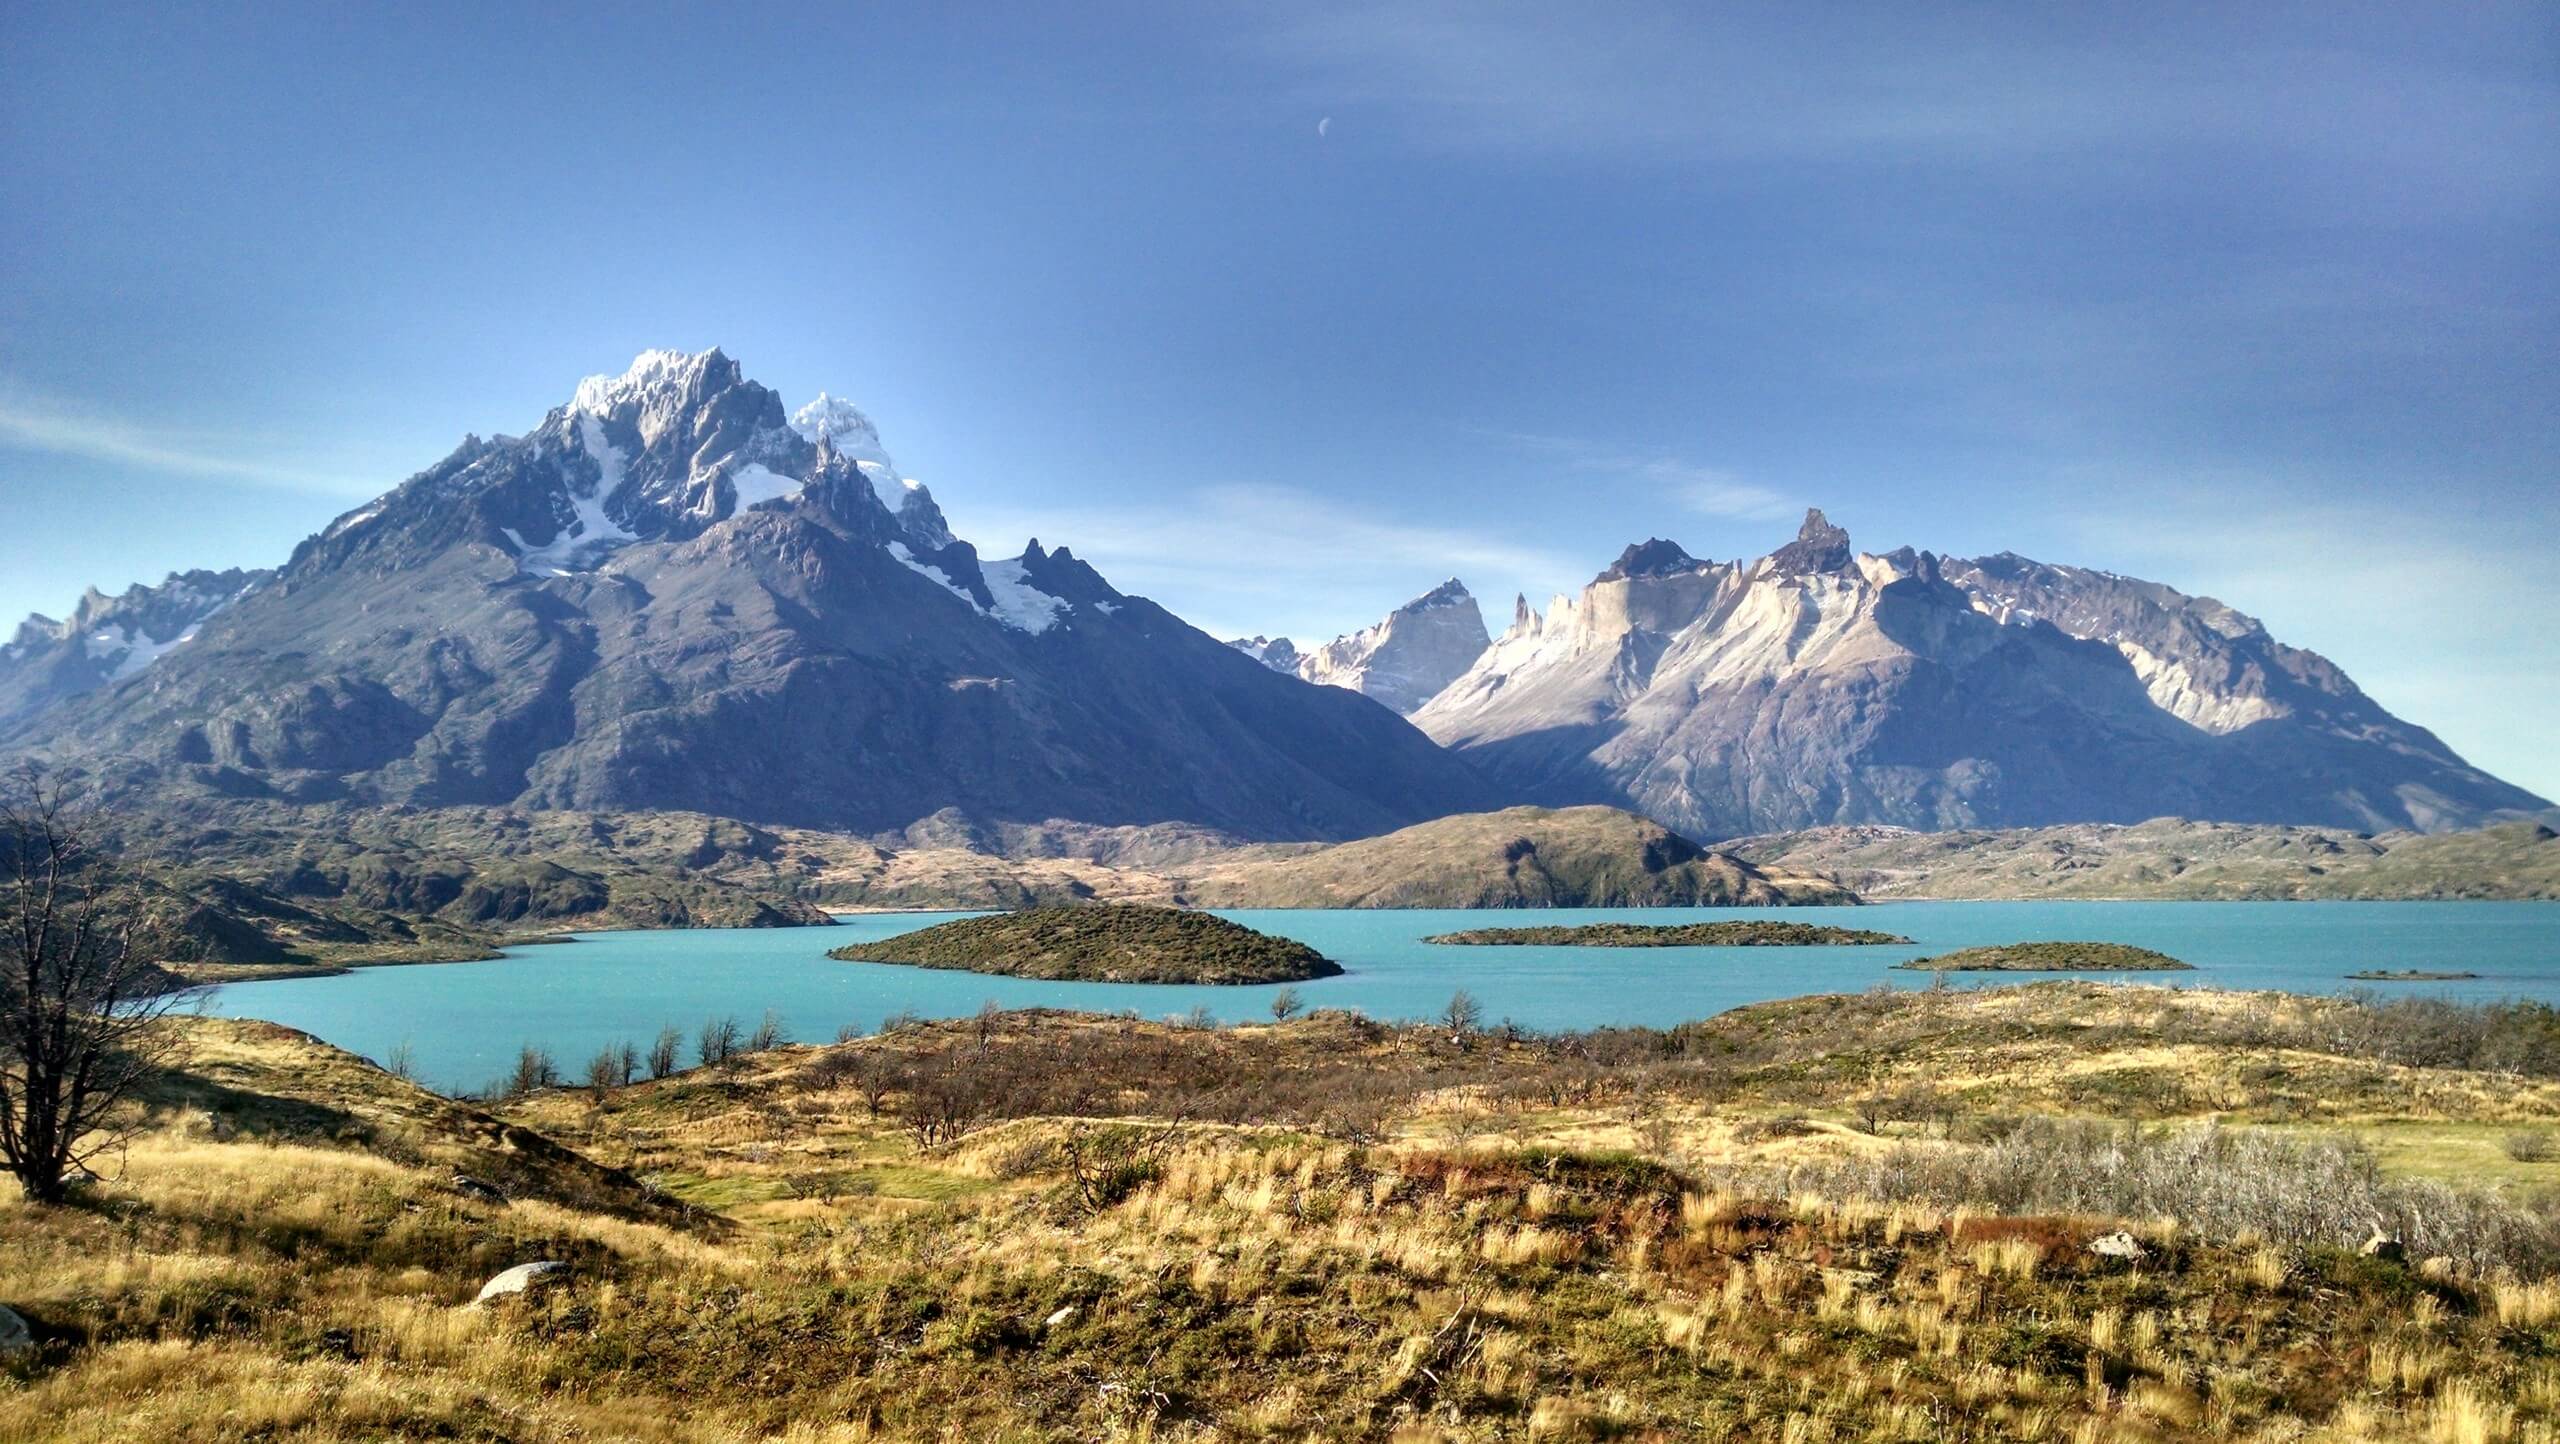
<point>2221,1183</point>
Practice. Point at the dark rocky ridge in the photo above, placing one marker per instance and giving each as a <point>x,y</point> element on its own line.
<point>106,638</point>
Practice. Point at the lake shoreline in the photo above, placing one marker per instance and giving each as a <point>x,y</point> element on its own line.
<point>625,985</point>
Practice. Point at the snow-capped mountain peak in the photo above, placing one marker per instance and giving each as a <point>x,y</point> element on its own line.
<point>676,444</point>
<point>666,596</point>
<point>841,426</point>
<point>652,373</point>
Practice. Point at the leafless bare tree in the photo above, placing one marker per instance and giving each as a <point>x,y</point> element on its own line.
<point>662,1052</point>
<point>81,993</point>
<point>717,1043</point>
<point>1463,1016</point>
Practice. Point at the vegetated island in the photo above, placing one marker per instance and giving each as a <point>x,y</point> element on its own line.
<point>1738,933</point>
<point>1102,943</point>
<point>2407,975</point>
<point>2050,958</point>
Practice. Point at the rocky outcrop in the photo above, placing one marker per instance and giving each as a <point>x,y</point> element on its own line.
<point>1405,659</point>
<point>525,1278</point>
<point>16,1339</point>
<point>1278,653</point>
<point>1819,685</point>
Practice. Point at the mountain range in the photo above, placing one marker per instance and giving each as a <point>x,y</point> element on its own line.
<point>673,593</point>
<point>1824,685</point>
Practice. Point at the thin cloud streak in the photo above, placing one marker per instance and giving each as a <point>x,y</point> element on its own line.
<point>30,424</point>
<point>1661,82</point>
<point>1246,558</point>
<point>1706,490</point>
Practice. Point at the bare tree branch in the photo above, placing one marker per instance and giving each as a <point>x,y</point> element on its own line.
<point>82,998</point>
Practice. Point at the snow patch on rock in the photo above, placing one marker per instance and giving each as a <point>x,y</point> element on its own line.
<point>591,531</point>
<point>1019,604</point>
<point>757,485</point>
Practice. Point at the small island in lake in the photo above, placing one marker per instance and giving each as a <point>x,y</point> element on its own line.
<point>2407,975</point>
<point>1102,943</point>
<point>2051,958</point>
<point>1742,933</point>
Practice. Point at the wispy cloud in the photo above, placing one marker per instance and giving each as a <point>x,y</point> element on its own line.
<point>1706,490</point>
<point>1241,558</point>
<point>35,423</point>
<point>1900,83</point>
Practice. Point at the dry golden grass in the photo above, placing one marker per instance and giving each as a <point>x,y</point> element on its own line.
<point>288,1260</point>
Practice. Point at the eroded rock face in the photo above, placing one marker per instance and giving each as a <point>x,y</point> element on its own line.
<point>1278,653</point>
<point>1820,686</point>
<point>1405,659</point>
<point>671,593</point>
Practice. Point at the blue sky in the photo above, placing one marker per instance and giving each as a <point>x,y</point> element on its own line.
<point>1282,313</point>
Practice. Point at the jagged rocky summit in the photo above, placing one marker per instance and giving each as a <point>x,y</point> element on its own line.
<point>1821,685</point>
<point>108,639</point>
<point>1403,660</point>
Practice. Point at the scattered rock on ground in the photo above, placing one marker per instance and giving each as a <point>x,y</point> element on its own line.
<point>2118,1245</point>
<point>470,1187</point>
<point>524,1279</point>
<point>16,1339</point>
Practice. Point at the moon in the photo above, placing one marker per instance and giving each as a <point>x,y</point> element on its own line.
<point>1323,126</point>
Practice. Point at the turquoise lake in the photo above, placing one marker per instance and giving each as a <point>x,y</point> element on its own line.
<point>465,1021</point>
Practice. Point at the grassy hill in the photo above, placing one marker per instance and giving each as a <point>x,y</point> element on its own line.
<point>487,870</point>
<point>1831,1218</point>
<point>2171,858</point>
<point>499,868</point>
<point>1518,857</point>
<point>1102,943</point>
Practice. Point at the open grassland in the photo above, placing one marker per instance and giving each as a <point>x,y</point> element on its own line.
<point>1838,1218</point>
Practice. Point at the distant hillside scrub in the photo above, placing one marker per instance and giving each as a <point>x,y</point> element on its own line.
<point>1104,943</point>
<point>2051,958</point>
